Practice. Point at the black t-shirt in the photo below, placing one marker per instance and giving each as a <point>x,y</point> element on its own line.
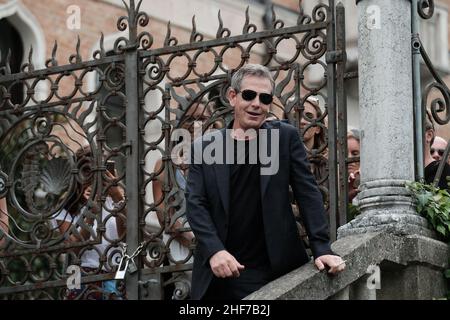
<point>246,240</point>
<point>431,170</point>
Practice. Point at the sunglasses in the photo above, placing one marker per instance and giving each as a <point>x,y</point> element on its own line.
<point>249,95</point>
<point>439,151</point>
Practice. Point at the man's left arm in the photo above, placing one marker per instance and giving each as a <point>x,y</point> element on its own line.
<point>310,202</point>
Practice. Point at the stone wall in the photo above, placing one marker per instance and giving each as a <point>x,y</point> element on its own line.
<point>411,267</point>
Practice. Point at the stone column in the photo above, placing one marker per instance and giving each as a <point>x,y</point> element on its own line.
<point>386,120</point>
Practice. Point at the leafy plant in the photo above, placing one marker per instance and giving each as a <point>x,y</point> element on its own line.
<point>434,204</point>
<point>352,211</point>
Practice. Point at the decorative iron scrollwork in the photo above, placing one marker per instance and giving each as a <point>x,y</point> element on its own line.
<point>422,7</point>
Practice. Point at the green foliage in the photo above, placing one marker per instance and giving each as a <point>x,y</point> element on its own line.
<point>352,211</point>
<point>434,204</point>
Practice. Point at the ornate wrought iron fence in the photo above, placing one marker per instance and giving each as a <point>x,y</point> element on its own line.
<point>57,149</point>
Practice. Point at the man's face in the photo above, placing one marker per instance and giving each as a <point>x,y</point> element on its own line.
<point>309,113</point>
<point>353,151</point>
<point>250,114</point>
<point>438,148</point>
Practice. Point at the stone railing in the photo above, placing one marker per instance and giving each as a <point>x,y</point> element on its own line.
<point>411,267</point>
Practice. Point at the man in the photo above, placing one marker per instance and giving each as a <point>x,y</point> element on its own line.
<point>353,150</point>
<point>438,148</point>
<point>242,218</point>
<point>430,163</point>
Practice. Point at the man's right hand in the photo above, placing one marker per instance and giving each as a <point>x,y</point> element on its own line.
<point>224,265</point>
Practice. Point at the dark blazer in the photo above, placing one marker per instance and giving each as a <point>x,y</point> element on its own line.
<point>207,207</point>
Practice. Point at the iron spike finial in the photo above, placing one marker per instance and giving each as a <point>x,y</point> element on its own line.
<point>30,64</point>
<point>100,53</point>
<point>219,31</point>
<point>276,24</point>
<point>78,49</point>
<point>126,6</point>
<point>168,33</point>
<point>247,21</point>
<point>138,7</point>
<point>195,36</point>
<point>248,26</point>
<point>169,40</point>
<point>76,58</point>
<point>53,60</point>
<point>102,45</point>
<point>302,19</point>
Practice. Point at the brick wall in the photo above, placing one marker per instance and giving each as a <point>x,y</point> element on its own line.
<point>97,17</point>
<point>291,4</point>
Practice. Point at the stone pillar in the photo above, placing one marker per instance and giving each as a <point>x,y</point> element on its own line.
<point>386,120</point>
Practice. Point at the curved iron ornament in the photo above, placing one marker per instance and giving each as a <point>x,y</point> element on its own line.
<point>425,8</point>
<point>132,21</point>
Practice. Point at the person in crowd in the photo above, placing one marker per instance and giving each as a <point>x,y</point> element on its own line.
<point>313,129</point>
<point>78,221</point>
<point>314,137</point>
<point>353,147</point>
<point>431,164</point>
<point>193,120</point>
<point>241,214</point>
<point>438,148</point>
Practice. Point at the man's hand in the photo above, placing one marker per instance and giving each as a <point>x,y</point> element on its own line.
<point>224,265</point>
<point>335,263</point>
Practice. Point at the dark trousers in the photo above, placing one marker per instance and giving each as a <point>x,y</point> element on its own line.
<point>250,280</point>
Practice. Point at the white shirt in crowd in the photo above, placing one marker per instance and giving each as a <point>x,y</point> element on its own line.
<point>90,258</point>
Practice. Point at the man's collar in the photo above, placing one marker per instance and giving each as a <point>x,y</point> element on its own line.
<point>263,125</point>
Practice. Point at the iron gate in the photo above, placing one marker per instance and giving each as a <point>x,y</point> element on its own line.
<point>141,95</point>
